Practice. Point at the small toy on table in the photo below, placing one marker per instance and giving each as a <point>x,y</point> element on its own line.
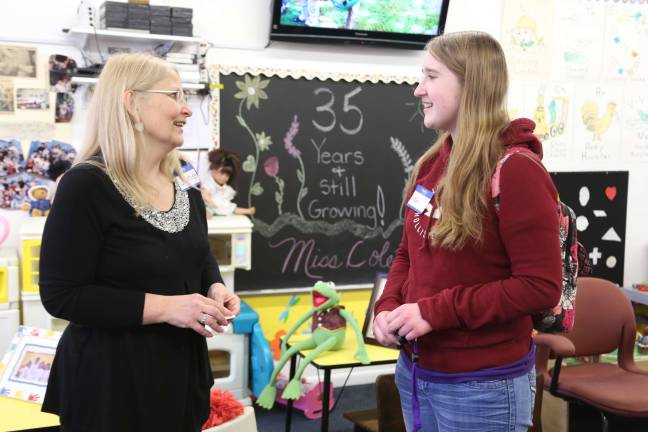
<point>642,341</point>
<point>217,190</point>
<point>643,286</point>
<point>329,321</point>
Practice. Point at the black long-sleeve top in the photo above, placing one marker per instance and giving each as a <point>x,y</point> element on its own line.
<point>98,260</point>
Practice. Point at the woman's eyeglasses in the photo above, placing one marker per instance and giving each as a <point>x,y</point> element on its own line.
<point>178,95</point>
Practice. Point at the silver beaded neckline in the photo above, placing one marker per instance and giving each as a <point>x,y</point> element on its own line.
<point>171,221</point>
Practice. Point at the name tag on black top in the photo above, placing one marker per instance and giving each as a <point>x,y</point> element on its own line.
<point>191,177</point>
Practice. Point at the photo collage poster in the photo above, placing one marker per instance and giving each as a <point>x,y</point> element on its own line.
<point>20,176</point>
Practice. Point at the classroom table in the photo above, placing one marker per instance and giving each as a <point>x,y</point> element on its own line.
<point>17,415</point>
<point>342,358</point>
<point>636,295</point>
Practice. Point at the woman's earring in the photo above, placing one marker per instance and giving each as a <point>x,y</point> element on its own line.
<point>139,127</point>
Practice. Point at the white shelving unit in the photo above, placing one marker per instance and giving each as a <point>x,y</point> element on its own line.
<point>107,35</point>
<point>87,80</point>
<point>99,38</point>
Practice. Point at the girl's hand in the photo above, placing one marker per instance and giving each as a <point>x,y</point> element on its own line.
<point>381,331</point>
<point>406,321</point>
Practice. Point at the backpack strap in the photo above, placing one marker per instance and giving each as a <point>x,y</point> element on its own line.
<point>495,179</point>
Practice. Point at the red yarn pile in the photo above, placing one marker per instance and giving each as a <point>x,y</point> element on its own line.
<point>224,407</point>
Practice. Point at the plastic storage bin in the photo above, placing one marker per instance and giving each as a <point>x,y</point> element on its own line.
<point>34,314</point>
<point>9,297</point>
<point>9,280</point>
<point>9,323</point>
<point>229,355</point>
<point>230,238</point>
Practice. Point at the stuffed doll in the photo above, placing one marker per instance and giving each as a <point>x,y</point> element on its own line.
<point>642,341</point>
<point>329,321</point>
<point>38,204</point>
<point>217,190</point>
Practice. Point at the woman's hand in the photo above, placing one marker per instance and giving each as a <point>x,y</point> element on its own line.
<point>381,331</point>
<point>226,298</point>
<point>406,321</point>
<point>192,311</point>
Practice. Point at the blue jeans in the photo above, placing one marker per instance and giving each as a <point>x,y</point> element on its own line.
<point>484,406</point>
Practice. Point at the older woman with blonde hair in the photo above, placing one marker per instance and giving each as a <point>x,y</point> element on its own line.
<point>125,259</point>
<point>467,277</point>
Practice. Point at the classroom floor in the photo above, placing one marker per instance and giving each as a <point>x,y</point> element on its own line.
<point>554,412</point>
<point>353,398</point>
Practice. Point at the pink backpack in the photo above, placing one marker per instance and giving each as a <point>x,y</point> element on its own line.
<point>560,318</point>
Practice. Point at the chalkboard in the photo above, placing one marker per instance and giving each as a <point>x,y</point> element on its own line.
<point>599,199</point>
<point>325,164</point>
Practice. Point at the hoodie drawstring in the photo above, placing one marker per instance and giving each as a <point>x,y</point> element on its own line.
<point>426,234</point>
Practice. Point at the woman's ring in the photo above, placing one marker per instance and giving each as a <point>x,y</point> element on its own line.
<point>203,320</point>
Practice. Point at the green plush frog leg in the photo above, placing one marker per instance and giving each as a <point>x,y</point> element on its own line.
<point>267,397</point>
<point>293,389</point>
<point>361,354</point>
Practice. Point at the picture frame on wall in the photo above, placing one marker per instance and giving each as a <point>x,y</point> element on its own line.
<point>32,99</point>
<point>376,292</point>
<point>25,368</point>
<point>17,61</point>
<point>7,96</point>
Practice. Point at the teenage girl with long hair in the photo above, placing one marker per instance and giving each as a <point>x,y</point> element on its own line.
<point>466,278</point>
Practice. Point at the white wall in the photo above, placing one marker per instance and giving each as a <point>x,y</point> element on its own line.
<point>463,15</point>
<point>244,24</point>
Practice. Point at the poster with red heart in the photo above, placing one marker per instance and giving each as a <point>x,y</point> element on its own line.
<point>599,199</point>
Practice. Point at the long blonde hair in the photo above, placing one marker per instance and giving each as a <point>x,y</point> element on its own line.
<point>111,141</point>
<point>478,61</point>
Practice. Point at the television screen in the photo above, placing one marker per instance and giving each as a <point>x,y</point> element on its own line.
<point>391,22</point>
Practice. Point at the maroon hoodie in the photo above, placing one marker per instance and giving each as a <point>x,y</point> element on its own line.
<point>479,299</point>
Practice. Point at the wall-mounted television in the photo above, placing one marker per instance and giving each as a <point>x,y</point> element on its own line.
<point>403,23</point>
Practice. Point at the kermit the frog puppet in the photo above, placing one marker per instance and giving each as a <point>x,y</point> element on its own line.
<point>329,321</point>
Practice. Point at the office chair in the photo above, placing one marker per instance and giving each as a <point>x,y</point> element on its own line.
<point>605,321</point>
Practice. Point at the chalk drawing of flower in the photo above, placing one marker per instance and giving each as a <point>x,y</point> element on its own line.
<point>271,167</point>
<point>251,90</point>
<point>290,135</point>
<point>263,141</point>
<point>293,151</point>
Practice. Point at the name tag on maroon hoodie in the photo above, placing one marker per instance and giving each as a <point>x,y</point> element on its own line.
<point>420,199</point>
